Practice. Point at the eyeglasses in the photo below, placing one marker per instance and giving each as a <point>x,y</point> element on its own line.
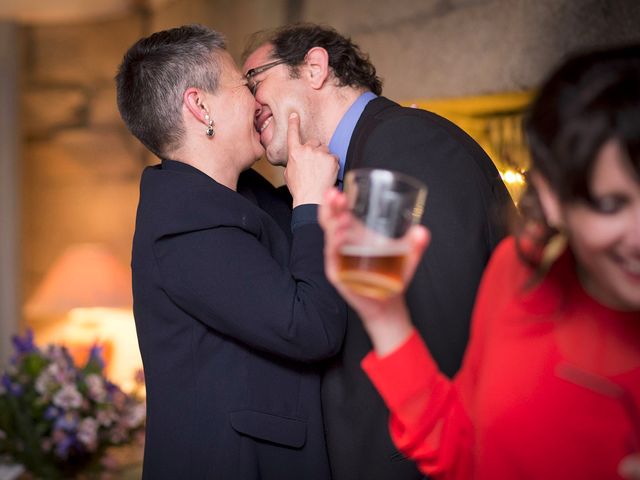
<point>251,83</point>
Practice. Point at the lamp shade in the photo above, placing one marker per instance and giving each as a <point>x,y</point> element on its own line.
<point>84,276</point>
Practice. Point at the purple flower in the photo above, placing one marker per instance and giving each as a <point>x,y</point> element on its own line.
<point>79,411</point>
<point>111,387</point>
<point>68,397</point>
<point>138,376</point>
<point>45,383</point>
<point>119,399</point>
<point>51,413</point>
<point>95,356</point>
<point>60,371</point>
<point>24,345</point>
<point>96,387</point>
<point>106,417</point>
<point>67,422</point>
<point>60,356</point>
<point>12,388</point>
<point>88,433</point>
<point>118,434</point>
<point>63,445</point>
<point>135,415</point>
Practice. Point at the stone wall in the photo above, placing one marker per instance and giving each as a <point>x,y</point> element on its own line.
<point>444,48</point>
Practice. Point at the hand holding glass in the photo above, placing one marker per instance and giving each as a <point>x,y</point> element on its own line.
<point>384,205</point>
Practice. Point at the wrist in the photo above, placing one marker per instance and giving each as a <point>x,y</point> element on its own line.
<point>388,328</point>
<point>306,200</point>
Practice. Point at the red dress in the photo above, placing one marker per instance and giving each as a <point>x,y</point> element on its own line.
<point>549,387</point>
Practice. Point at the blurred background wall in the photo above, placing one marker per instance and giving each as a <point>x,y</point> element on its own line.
<point>70,171</point>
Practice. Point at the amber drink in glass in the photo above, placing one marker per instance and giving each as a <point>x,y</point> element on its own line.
<point>384,205</point>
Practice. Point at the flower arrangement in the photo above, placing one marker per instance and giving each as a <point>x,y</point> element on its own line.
<point>57,419</point>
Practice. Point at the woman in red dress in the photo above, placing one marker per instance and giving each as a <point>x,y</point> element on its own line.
<point>550,384</point>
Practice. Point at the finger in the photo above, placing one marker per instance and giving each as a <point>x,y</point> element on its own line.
<point>419,238</point>
<point>335,230</point>
<point>324,211</point>
<point>330,247</point>
<point>629,467</point>
<point>334,222</point>
<point>335,237</point>
<point>313,142</point>
<point>337,204</point>
<point>330,207</point>
<point>340,201</point>
<point>293,132</point>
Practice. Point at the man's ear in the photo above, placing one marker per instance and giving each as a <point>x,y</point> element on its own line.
<point>316,63</point>
<point>193,101</point>
<point>549,200</point>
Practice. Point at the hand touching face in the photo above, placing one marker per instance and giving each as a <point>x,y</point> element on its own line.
<point>279,95</point>
<point>311,169</point>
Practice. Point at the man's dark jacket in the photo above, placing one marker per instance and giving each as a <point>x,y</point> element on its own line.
<point>466,210</point>
<point>231,310</point>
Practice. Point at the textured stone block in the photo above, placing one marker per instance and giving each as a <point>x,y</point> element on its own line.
<point>93,156</point>
<point>46,109</point>
<point>82,54</point>
<point>236,19</point>
<point>103,110</point>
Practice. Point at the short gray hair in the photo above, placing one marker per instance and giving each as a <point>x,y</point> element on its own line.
<point>153,76</point>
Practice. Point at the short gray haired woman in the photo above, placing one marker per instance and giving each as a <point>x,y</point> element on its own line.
<point>231,303</point>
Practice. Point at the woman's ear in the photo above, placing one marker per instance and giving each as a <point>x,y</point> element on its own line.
<point>316,63</point>
<point>549,200</point>
<point>194,103</point>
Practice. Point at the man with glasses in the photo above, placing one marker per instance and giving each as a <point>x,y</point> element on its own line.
<point>321,75</point>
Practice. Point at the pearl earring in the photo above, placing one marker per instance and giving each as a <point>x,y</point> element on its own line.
<point>209,131</point>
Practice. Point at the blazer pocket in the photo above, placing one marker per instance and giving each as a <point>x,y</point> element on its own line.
<point>286,431</point>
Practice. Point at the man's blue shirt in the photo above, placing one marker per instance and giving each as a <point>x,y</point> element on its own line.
<point>339,143</point>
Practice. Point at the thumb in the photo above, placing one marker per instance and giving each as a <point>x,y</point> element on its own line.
<point>419,237</point>
<point>293,133</point>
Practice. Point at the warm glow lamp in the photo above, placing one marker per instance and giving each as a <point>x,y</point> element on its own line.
<point>86,275</point>
<point>89,291</point>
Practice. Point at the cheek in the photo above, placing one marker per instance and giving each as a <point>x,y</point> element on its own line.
<point>593,234</point>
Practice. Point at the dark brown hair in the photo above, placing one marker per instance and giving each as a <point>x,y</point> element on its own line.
<point>590,99</point>
<point>351,67</point>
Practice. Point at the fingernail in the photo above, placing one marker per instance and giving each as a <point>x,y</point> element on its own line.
<point>293,115</point>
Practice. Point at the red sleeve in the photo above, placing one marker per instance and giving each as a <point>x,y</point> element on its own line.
<point>428,423</point>
<point>431,415</point>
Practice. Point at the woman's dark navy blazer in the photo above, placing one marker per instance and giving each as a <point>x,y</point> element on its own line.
<point>232,310</point>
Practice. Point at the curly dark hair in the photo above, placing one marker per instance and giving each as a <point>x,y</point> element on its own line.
<point>350,65</point>
<point>590,99</point>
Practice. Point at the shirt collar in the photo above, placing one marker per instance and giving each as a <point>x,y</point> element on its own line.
<point>341,138</point>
